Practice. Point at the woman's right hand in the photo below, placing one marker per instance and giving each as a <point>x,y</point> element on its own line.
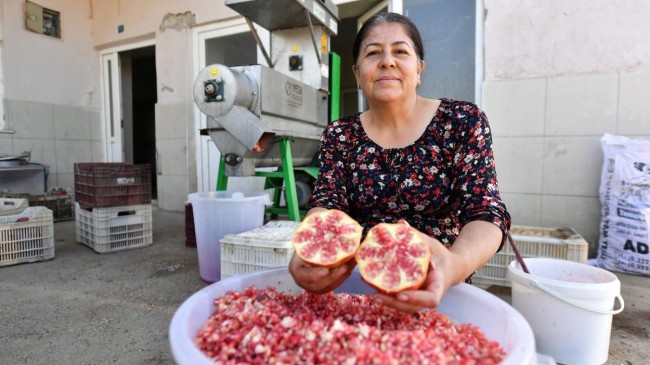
<point>317,279</point>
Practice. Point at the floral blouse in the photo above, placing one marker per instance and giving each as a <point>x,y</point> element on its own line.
<point>442,181</point>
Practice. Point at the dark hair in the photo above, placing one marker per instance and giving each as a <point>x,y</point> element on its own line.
<point>388,18</point>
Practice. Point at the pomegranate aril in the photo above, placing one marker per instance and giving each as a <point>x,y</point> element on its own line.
<point>335,329</point>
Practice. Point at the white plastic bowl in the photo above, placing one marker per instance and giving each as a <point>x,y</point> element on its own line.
<point>463,304</point>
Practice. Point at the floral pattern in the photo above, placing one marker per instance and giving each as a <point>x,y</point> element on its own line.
<point>442,181</point>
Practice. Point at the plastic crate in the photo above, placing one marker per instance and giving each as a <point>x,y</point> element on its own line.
<point>115,229</point>
<point>60,203</point>
<point>111,184</point>
<point>62,206</point>
<point>11,206</point>
<point>557,243</point>
<point>262,248</point>
<point>26,237</point>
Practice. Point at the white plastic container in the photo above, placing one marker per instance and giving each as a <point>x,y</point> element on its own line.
<point>569,306</point>
<point>27,236</point>
<point>218,213</point>
<point>259,249</point>
<point>463,303</point>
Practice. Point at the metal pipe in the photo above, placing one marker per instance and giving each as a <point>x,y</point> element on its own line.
<point>259,41</point>
<point>313,37</point>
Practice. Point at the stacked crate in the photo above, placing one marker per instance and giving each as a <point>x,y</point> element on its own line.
<point>113,206</point>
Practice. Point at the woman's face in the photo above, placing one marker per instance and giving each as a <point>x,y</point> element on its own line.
<point>388,68</point>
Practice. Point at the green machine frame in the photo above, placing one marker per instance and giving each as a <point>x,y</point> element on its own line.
<point>285,175</point>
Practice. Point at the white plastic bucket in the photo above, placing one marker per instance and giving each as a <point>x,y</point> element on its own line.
<point>569,306</point>
<point>463,303</point>
<point>218,213</point>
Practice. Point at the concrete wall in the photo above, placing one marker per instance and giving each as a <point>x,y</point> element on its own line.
<point>143,18</point>
<point>558,75</point>
<point>51,90</point>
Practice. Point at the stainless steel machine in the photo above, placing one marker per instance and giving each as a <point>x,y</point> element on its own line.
<point>261,116</point>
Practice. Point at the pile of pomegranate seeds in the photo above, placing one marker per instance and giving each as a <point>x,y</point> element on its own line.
<point>264,326</point>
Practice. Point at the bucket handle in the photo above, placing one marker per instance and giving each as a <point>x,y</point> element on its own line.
<point>558,296</point>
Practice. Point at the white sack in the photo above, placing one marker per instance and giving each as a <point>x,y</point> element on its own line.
<point>625,198</point>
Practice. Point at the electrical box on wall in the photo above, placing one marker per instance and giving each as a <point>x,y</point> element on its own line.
<point>42,20</point>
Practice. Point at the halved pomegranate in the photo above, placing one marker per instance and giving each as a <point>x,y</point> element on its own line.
<point>393,258</point>
<point>327,238</point>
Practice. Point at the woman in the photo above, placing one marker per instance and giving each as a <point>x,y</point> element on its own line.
<point>409,159</point>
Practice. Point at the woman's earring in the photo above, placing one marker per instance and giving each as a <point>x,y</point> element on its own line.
<point>358,86</point>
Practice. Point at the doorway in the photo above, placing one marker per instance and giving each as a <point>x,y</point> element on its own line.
<point>130,96</point>
<point>140,138</point>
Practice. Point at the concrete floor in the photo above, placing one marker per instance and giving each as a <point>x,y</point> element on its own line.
<point>86,308</point>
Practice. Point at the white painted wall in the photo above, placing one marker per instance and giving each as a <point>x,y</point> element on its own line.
<point>51,90</point>
<point>558,75</point>
<point>539,38</point>
<point>49,70</point>
<point>142,18</point>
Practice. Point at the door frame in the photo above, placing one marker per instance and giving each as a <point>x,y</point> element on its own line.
<point>111,104</point>
<point>479,53</point>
